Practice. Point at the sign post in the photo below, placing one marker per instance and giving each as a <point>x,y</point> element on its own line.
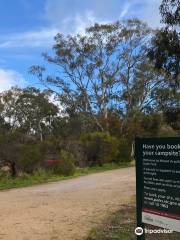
<point>158,183</point>
<point>139,192</point>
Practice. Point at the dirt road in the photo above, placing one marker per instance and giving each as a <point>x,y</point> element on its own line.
<point>64,210</point>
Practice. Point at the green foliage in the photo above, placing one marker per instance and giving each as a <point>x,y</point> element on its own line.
<point>66,165</point>
<point>126,98</point>
<point>49,146</point>
<point>165,53</point>
<point>100,148</point>
<point>172,117</point>
<point>30,158</point>
<point>167,131</point>
<point>29,109</point>
<point>124,151</point>
<point>165,49</point>
<point>169,10</point>
<point>142,125</point>
<point>10,143</point>
<point>76,147</point>
<point>42,176</point>
<point>88,63</point>
<point>151,124</point>
<point>4,174</point>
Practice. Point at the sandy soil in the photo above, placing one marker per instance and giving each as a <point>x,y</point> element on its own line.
<point>64,210</point>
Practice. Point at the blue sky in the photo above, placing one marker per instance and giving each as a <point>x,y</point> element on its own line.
<point>27,28</point>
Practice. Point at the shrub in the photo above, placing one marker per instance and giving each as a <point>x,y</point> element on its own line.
<point>41,173</point>
<point>65,166</point>
<point>142,125</point>
<point>76,147</point>
<point>124,151</point>
<point>100,148</point>
<point>4,175</point>
<point>48,146</point>
<point>167,131</point>
<point>23,175</point>
<point>30,158</point>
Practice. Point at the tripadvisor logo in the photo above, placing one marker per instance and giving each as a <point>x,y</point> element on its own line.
<point>139,231</point>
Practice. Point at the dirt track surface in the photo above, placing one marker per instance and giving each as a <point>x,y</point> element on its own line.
<point>64,210</point>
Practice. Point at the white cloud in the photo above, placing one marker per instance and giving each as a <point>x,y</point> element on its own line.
<point>146,10</point>
<point>76,18</point>
<point>44,37</point>
<point>125,9</point>
<point>9,78</point>
<point>150,13</point>
<point>79,23</point>
<point>41,38</point>
<point>61,13</point>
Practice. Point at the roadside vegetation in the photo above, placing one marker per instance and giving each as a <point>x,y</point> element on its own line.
<point>121,225</point>
<point>43,176</point>
<point>113,83</point>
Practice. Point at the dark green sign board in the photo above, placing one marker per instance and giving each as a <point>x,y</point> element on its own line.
<point>158,182</point>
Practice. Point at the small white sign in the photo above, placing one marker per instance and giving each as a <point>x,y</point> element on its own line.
<point>161,221</point>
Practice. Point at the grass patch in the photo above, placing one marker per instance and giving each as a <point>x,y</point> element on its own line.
<point>42,176</point>
<point>105,167</point>
<point>121,225</point>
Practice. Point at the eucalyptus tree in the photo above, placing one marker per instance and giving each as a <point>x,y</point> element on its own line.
<point>95,70</point>
<point>165,49</point>
<point>165,55</point>
<point>28,110</point>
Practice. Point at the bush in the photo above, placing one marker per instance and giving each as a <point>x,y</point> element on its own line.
<point>167,131</point>
<point>100,148</point>
<point>4,175</point>
<point>142,125</point>
<point>48,146</point>
<point>76,147</point>
<point>65,166</point>
<point>30,158</point>
<point>124,151</point>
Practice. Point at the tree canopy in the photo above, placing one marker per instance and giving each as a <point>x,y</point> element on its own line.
<point>107,92</point>
<point>165,50</point>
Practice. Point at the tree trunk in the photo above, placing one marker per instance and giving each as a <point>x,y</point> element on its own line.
<point>40,131</point>
<point>104,105</point>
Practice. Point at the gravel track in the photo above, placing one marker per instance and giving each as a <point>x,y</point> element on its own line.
<point>64,210</point>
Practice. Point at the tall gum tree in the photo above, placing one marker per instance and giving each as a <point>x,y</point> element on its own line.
<point>98,71</point>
